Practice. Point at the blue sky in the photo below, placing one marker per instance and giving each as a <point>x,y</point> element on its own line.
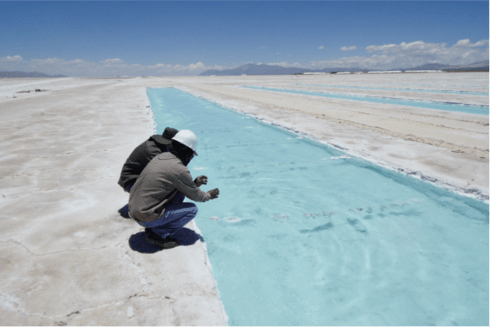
<point>185,38</point>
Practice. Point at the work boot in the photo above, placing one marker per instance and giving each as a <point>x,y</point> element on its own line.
<point>164,243</point>
<point>124,211</point>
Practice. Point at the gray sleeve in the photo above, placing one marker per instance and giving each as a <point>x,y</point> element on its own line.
<point>186,186</point>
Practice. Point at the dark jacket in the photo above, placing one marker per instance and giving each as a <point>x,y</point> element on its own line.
<point>162,178</point>
<point>140,157</point>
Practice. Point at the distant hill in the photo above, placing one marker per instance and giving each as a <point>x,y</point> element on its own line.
<point>433,66</point>
<point>15,74</point>
<point>476,66</point>
<point>252,69</point>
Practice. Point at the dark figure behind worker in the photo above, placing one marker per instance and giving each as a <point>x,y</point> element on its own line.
<point>140,157</point>
<point>156,199</point>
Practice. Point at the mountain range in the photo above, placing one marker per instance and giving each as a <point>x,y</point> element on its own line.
<point>476,66</point>
<point>252,69</point>
<point>15,74</point>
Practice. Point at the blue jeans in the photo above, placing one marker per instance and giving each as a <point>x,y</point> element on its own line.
<point>176,215</point>
<point>124,210</point>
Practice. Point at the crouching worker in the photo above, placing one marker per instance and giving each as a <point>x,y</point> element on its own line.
<point>156,199</point>
<point>140,157</point>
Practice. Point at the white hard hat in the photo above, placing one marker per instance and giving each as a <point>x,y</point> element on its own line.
<point>187,138</point>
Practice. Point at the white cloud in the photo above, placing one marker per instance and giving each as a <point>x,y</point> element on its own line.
<point>481,43</point>
<point>321,47</point>
<point>286,64</point>
<point>55,66</point>
<point>15,58</point>
<point>387,56</point>
<point>406,55</point>
<point>349,48</point>
<point>467,43</point>
<point>114,61</point>
<point>11,62</point>
<point>197,66</point>
<point>107,67</point>
<point>414,48</point>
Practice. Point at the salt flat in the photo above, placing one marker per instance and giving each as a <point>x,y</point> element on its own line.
<point>65,257</point>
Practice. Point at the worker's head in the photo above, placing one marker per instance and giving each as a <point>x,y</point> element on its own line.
<point>168,133</point>
<point>184,144</point>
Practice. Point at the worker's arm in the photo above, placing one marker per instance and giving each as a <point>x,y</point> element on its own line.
<point>201,180</point>
<point>214,193</point>
<point>186,186</point>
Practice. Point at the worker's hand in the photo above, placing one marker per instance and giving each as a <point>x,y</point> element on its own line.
<point>214,193</point>
<point>201,180</point>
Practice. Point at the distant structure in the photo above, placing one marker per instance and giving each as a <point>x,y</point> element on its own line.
<point>428,67</point>
<point>424,71</point>
<point>385,72</point>
<point>314,73</point>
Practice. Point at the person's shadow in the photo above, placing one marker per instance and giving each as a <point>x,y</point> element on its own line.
<point>184,236</point>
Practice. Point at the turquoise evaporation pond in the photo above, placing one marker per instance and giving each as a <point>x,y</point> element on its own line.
<point>301,234</point>
<point>397,89</point>
<point>481,110</point>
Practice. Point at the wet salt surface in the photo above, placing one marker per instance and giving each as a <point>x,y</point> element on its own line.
<point>303,234</point>
<point>471,109</point>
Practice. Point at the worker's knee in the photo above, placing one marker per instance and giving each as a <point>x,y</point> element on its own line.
<point>190,208</point>
<point>193,208</point>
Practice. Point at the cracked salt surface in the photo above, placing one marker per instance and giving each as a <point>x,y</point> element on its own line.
<point>331,241</point>
<point>64,253</point>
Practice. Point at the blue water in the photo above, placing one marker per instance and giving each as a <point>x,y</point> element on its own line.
<point>470,109</point>
<point>302,234</point>
<point>398,89</point>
